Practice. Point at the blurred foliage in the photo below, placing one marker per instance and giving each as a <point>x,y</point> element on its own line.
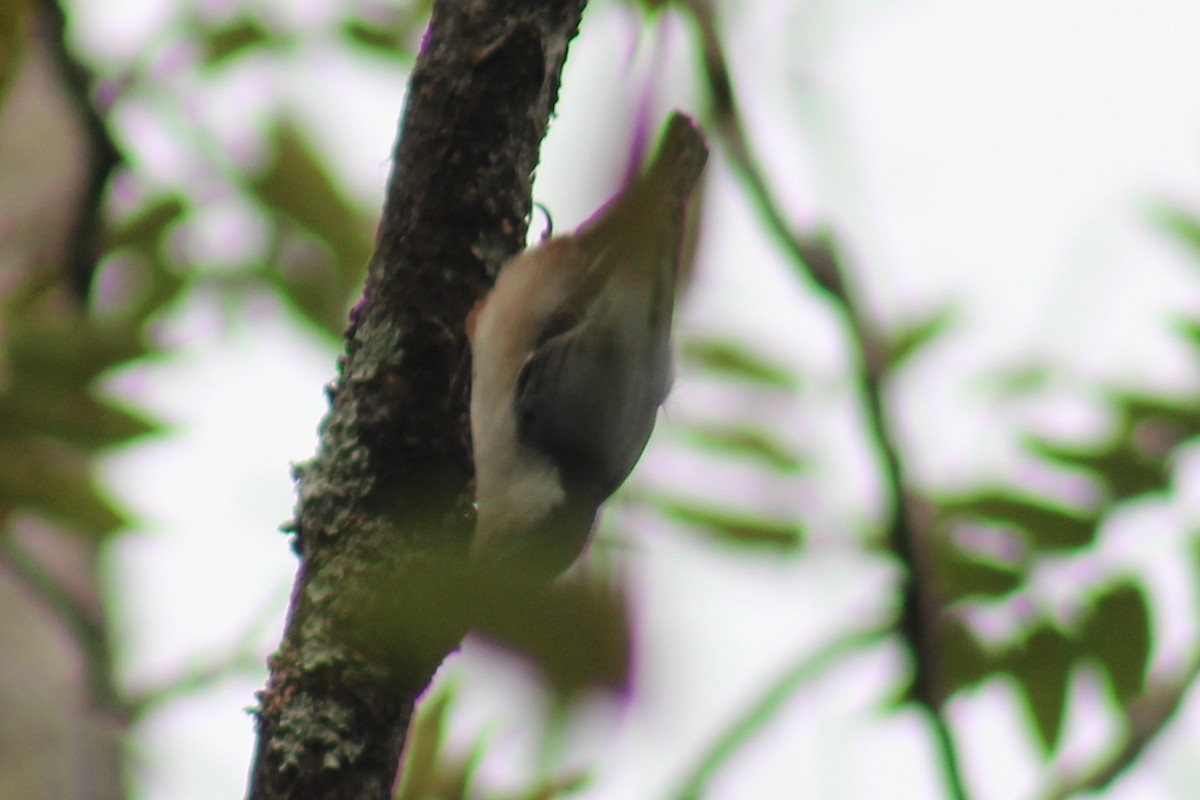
<point>429,770</point>
<point>54,414</point>
<point>906,342</point>
<point>986,546</point>
<point>989,547</point>
<point>1113,621</point>
<point>14,19</point>
<point>1114,628</point>
<point>302,196</point>
<point>385,30</point>
<point>53,417</point>
<point>730,526</point>
<point>317,240</point>
<point>57,353</point>
<point>742,440</point>
<point>737,363</point>
<point>574,633</point>
<point>432,772</point>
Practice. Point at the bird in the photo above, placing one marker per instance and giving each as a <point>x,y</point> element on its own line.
<point>571,359</point>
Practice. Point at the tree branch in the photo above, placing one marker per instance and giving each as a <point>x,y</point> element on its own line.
<point>817,257</point>
<point>386,502</point>
<point>805,670</point>
<point>241,656</point>
<point>81,619</point>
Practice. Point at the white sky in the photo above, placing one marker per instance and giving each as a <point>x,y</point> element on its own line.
<point>994,155</point>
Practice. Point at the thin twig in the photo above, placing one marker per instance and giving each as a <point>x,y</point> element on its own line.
<point>807,669</point>
<point>817,257</point>
<point>85,625</point>
<point>244,655</point>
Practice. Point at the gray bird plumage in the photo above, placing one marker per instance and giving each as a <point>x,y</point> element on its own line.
<point>572,359</point>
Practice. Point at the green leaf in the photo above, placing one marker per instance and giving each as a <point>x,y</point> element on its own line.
<point>903,343</point>
<point>389,33</point>
<point>745,443</point>
<point>730,526</point>
<point>234,39</point>
<point>418,778</point>
<point>964,574</point>
<point>142,260</point>
<point>738,363</point>
<point>299,187</point>
<point>555,786</point>
<point>1183,225</point>
<point>576,636</point>
<point>1019,380</point>
<point>309,278</point>
<point>1042,668</point>
<point>69,416</point>
<point>14,36</point>
<point>378,39</point>
<point>652,6</point>
<point>1117,633</point>
<point>964,660</point>
<point>1047,524</point>
<point>144,231</point>
<point>1125,472</point>
<point>1176,422</point>
<point>70,352</point>
<point>57,486</point>
<point>1189,329</point>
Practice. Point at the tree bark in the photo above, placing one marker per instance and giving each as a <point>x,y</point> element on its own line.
<point>386,504</point>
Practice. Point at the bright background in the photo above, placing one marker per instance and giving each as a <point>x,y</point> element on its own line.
<point>999,158</point>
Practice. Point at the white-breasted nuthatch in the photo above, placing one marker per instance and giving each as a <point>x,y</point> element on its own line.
<point>572,358</point>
